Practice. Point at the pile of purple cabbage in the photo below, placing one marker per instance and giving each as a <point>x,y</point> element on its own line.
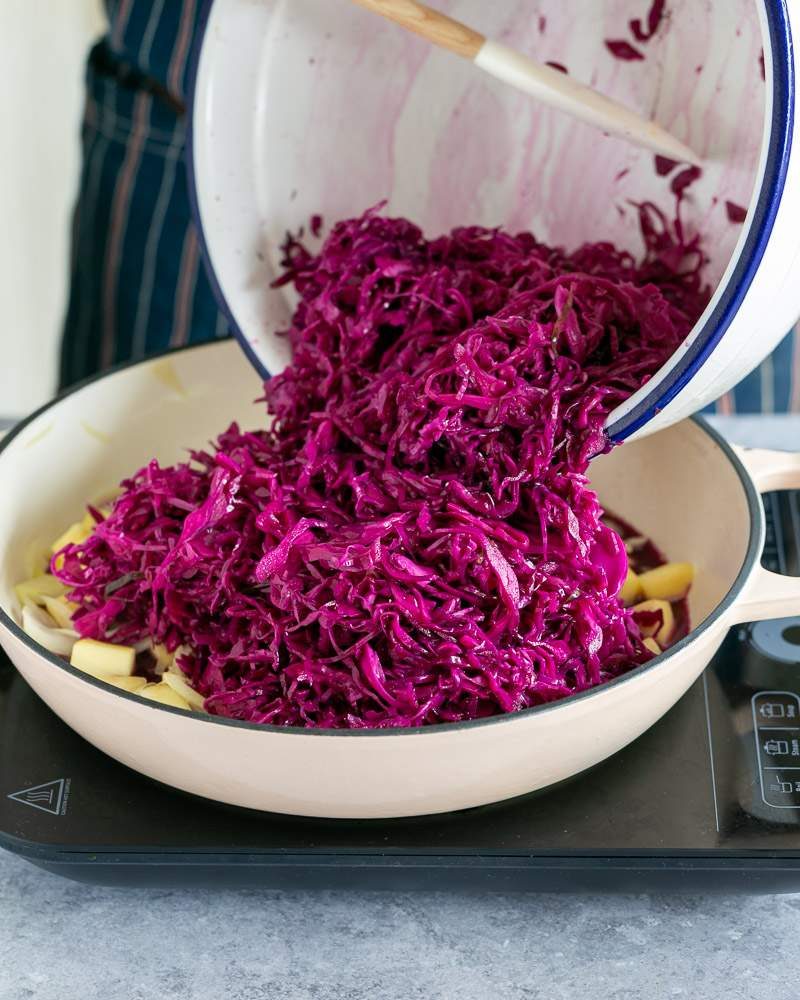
<point>410,539</point>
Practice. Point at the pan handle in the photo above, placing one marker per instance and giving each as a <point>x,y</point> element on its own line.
<point>771,470</point>
<point>769,595</point>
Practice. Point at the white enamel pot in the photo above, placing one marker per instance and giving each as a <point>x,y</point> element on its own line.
<point>317,106</point>
<point>684,487</point>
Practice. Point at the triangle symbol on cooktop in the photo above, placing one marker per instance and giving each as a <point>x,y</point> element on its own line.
<point>47,797</point>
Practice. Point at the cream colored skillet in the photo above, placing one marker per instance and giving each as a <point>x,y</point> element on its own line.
<point>686,488</point>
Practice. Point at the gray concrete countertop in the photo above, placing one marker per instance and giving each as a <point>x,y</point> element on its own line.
<point>60,940</point>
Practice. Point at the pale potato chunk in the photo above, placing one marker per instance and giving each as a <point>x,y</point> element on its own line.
<point>652,645</point>
<point>132,684</point>
<point>74,535</point>
<point>667,583</point>
<point>631,590</point>
<point>103,659</point>
<point>163,659</point>
<point>88,523</point>
<point>35,590</point>
<point>177,681</point>
<point>164,694</point>
<point>166,660</point>
<point>60,610</point>
<point>662,634</point>
<point>37,559</point>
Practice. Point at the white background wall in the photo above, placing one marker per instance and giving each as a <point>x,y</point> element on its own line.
<point>43,46</point>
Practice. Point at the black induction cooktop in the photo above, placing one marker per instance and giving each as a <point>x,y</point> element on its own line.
<point>708,798</point>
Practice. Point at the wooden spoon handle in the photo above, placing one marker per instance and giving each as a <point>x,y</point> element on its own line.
<point>542,82</point>
<point>437,28</point>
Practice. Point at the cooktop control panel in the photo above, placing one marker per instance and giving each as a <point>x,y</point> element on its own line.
<point>756,680</point>
<point>776,732</point>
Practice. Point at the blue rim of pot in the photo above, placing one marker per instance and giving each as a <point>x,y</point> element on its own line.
<point>765,211</point>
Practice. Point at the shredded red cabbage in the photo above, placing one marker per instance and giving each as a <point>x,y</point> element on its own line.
<point>736,213</point>
<point>413,540</point>
<point>620,49</point>
<point>642,31</point>
<point>664,165</point>
<point>656,14</point>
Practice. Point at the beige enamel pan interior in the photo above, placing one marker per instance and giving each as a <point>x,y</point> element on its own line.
<point>681,487</point>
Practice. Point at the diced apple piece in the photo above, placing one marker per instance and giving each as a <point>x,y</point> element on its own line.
<point>163,659</point>
<point>164,695</point>
<point>35,590</point>
<point>74,535</point>
<point>177,681</point>
<point>37,559</point>
<point>667,583</point>
<point>103,659</point>
<point>88,523</point>
<point>60,610</point>
<point>97,673</point>
<point>660,633</point>
<point>132,684</point>
<point>652,645</point>
<point>631,589</point>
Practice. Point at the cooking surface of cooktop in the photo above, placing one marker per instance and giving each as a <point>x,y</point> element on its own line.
<point>709,797</point>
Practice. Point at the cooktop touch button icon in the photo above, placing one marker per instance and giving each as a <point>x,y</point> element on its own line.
<point>51,797</point>
<point>771,711</point>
